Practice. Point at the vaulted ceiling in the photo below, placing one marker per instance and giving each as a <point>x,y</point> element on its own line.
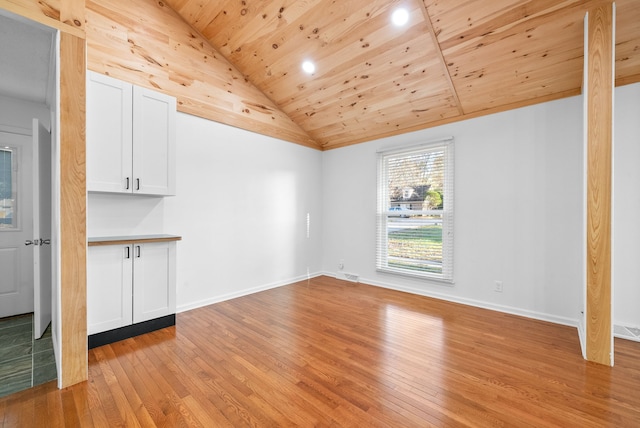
<point>453,59</point>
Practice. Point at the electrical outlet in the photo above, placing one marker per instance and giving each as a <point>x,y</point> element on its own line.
<point>497,287</point>
<point>341,264</point>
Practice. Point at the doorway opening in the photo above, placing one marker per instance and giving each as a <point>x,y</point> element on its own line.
<point>28,102</point>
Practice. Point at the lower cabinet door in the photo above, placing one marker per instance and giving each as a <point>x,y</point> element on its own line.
<point>109,287</point>
<point>154,278</point>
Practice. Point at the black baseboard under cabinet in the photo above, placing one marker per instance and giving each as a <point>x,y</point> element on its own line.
<point>128,331</point>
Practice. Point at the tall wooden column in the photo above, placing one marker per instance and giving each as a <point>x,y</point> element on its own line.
<point>599,58</point>
<point>73,202</point>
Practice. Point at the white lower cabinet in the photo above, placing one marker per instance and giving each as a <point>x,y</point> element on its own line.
<point>129,284</point>
<point>109,287</point>
<point>154,285</point>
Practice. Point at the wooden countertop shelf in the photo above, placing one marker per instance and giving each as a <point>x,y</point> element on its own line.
<point>119,240</point>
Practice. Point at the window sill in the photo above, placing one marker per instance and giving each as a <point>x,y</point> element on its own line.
<point>430,278</point>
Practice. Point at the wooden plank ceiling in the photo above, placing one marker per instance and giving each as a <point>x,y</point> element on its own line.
<point>453,60</point>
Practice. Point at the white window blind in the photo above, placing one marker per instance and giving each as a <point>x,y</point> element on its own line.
<point>415,211</point>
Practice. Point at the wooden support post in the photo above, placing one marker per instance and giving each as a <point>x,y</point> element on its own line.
<point>73,301</point>
<point>599,126</point>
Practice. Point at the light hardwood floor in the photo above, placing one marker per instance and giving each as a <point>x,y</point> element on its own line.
<point>331,353</point>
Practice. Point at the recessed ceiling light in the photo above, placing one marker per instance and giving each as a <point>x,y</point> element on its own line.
<point>308,67</point>
<point>400,17</point>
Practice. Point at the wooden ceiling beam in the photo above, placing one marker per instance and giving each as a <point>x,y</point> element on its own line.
<point>440,55</point>
<point>67,16</point>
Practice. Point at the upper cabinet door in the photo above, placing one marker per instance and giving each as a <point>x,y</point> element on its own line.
<point>154,142</point>
<point>109,134</point>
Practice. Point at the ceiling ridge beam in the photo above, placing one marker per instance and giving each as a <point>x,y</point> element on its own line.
<point>445,68</point>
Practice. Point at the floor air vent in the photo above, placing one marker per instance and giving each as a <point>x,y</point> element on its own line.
<point>629,333</point>
<point>348,276</point>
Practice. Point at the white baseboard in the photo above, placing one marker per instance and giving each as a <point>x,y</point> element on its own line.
<point>245,292</point>
<point>471,302</point>
<point>57,356</point>
<point>583,339</point>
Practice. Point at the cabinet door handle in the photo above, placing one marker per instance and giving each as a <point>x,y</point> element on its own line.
<point>126,252</point>
<point>127,188</point>
<point>138,250</point>
<point>137,184</point>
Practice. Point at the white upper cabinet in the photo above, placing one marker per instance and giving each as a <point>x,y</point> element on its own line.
<point>130,138</point>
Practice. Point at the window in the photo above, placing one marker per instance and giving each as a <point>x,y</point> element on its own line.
<point>8,183</point>
<point>415,211</point>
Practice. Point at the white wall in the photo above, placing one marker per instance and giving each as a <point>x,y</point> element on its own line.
<point>626,246</point>
<point>241,208</point>
<point>243,198</point>
<point>518,211</point>
<point>19,113</point>
<point>113,215</point>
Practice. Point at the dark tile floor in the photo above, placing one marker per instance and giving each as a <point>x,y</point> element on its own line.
<point>24,362</point>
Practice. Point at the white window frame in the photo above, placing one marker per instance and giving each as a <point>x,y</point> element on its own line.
<point>384,212</point>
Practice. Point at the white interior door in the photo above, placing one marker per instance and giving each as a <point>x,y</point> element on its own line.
<point>16,225</point>
<point>41,228</point>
